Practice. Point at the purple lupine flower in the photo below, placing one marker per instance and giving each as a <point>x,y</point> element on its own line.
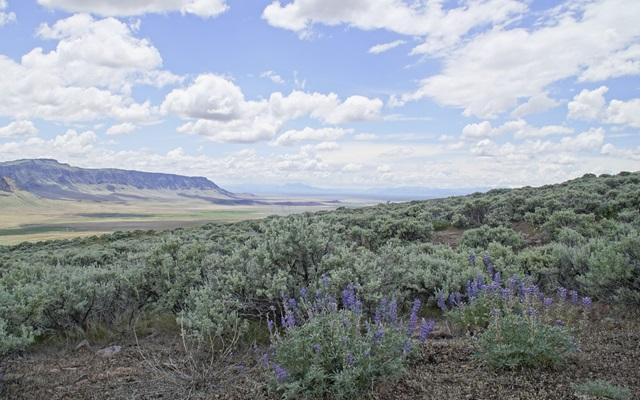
<point>280,372</point>
<point>486,260</point>
<point>562,294</point>
<point>241,368</point>
<point>496,278</point>
<point>319,294</point>
<point>292,303</point>
<point>325,280</point>
<point>560,323</point>
<point>472,259</point>
<point>270,324</point>
<point>425,329</point>
<point>407,347</point>
<point>350,359</point>
<point>393,312</point>
<point>377,318</point>
<point>303,292</point>
<point>378,335</point>
<point>496,312</point>
<point>533,311</point>
<point>440,301</point>
<point>480,282</point>
<point>458,298</point>
<point>265,359</point>
<point>574,296</point>
<point>586,302</point>
<point>413,318</point>
<point>348,296</point>
<point>452,300</point>
<point>547,301</point>
<point>317,348</point>
<point>345,323</point>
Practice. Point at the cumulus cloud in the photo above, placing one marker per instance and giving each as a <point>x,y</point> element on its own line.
<point>201,8</point>
<point>223,114</point>
<point>536,104</point>
<point>631,153</point>
<point>125,128</point>
<point>441,26</point>
<point>381,48</point>
<point>291,137</point>
<point>17,129</point>
<point>519,128</point>
<point>6,17</point>
<point>518,63</point>
<point>88,76</point>
<point>591,105</point>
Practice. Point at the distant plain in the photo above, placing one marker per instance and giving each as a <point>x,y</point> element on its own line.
<point>28,218</point>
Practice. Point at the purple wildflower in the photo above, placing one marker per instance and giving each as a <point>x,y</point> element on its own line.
<point>407,347</point>
<point>425,329</point>
<point>292,303</point>
<point>317,348</point>
<point>241,368</point>
<point>452,300</point>
<point>377,318</point>
<point>547,301</point>
<point>413,318</point>
<point>319,294</point>
<point>270,324</point>
<point>440,301</point>
<point>378,335</point>
<point>586,302</point>
<point>348,297</point>
<point>562,294</point>
<point>325,280</point>
<point>496,278</point>
<point>345,323</point>
<point>393,312</point>
<point>472,259</point>
<point>574,296</point>
<point>350,359</point>
<point>496,312</point>
<point>458,298</point>
<point>560,323</point>
<point>282,374</point>
<point>303,292</point>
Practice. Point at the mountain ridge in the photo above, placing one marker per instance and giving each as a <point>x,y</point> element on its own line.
<point>51,179</point>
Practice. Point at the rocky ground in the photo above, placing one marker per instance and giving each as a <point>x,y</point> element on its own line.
<point>157,366</point>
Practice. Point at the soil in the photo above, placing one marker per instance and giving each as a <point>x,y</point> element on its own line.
<point>160,366</point>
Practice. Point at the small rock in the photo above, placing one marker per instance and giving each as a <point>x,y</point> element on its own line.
<point>109,351</point>
<point>83,345</point>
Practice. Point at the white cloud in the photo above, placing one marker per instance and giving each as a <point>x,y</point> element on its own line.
<point>488,74</point>
<point>125,128</point>
<point>441,26</point>
<point>201,8</point>
<point>398,152</point>
<point>6,17</point>
<point>591,105</point>
<point>275,78</point>
<point>381,48</point>
<point>291,137</point>
<point>222,113</point>
<point>631,153</point>
<point>18,128</point>
<point>519,128</point>
<point>536,104</point>
<point>88,76</point>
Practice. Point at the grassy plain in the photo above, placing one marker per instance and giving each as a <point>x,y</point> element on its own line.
<point>29,218</point>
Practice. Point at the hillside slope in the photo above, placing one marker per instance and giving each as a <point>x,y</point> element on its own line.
<point>53,180</point>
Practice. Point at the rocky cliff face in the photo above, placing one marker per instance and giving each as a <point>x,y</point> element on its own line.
<point>51,179</point>
<point>4,185</point>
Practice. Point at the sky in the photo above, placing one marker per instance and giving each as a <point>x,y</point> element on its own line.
<point>336,94</point>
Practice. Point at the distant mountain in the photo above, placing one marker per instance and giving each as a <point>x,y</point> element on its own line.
<point>53,180</point>
<point>390,193</point>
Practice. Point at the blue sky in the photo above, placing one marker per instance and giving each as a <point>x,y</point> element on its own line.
<point>349,94</point>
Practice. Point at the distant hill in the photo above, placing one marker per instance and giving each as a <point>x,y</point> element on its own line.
<point>53,180</point>
<point>390,193</point>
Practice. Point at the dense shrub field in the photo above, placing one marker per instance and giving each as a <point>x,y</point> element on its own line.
<point>219,280</point>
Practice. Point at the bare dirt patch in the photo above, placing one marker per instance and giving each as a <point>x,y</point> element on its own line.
<point>157,366</point>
